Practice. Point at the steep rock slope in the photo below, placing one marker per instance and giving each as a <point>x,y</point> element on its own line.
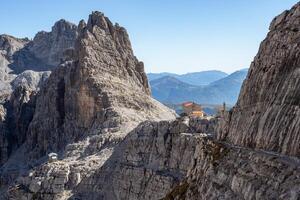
<point>8,47</point>
<point>19,110</point>
<point>101,86</point>
<point>86,107</point>
<point>46,49</point>
<point>151,159</point>
<point>224,171</point>
<point>22,71</point>
<point>43,53</point>
<point>148,162</point>
<point>267,113</point>
<point>256,153</point>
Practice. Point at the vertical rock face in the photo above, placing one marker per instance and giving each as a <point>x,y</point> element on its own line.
<point>45,51</point>
<point>18,57</point>
<point>256,153</point>
<point>267,113</point>
<point>8,47</point>
<point>50,46</point>
<point>17,111</point>
<point>148,162</point>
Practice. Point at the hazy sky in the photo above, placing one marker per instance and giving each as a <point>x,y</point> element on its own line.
<point>168,35</point>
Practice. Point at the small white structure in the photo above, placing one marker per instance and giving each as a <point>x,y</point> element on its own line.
<point>52,157</point>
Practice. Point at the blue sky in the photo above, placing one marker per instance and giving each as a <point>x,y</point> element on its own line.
<point>168,35</point>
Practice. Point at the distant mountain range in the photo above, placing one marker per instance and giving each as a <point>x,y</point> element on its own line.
<point>195,78</point>
<point>170,88</point>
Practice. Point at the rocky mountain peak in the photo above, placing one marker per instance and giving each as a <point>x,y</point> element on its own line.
<point>286,18</point>
<point>101,34</point>
<point>48,47</point>
<point>102,86</point>
<point>62,26</point>
<point>98,93</point>
<point>10,44</point>
<point>98,19</point>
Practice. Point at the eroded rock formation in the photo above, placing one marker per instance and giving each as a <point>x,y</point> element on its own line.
<point>224,171</point>
<point>267,113</point>
<point>102,87</point>
<point>22,71</point>
<point>89,112</point>
<point>256,154</point>
<point>84,110</point>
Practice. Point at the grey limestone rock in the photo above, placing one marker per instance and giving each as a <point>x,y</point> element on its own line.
<point>267,113</point>
<point>83,111</point>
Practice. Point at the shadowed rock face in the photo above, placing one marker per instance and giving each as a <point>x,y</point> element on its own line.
<point>8,47</point>
<point>50,46</point>
<point>23,65</point>
<point>267,113</point>
<point>45,51</point>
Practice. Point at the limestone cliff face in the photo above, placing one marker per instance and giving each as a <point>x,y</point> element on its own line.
<point>87,106</point>
<point>22,71</point>
<point>152,159</point>
<point>8,47</point>
<point>267,113</point>
<point>50,46</point>
<point>17,111</point>
<point>45,51</point>
<point>100,87</point>
<point>224,171</point>
<point>256,152</point>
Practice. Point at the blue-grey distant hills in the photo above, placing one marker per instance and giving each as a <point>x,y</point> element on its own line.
<point>195,78</point>
<point>170,90</point>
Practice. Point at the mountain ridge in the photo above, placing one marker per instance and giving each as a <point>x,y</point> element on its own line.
<point>193,78</point>
<point>169,89</point>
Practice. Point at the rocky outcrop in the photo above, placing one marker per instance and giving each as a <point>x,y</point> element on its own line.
<point>43,53</point>
<point>267,113</point>
<point>46,50</point>
<point>17,111</point>
<point>88,105</point>
<point>224,171</point>
<point>256,152</point>
<point>8,47</point>
<point>102,87</point>
<point>18,81</point>
<point>30,79</point>
<point>151,159</point>
<point>148,162</point>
